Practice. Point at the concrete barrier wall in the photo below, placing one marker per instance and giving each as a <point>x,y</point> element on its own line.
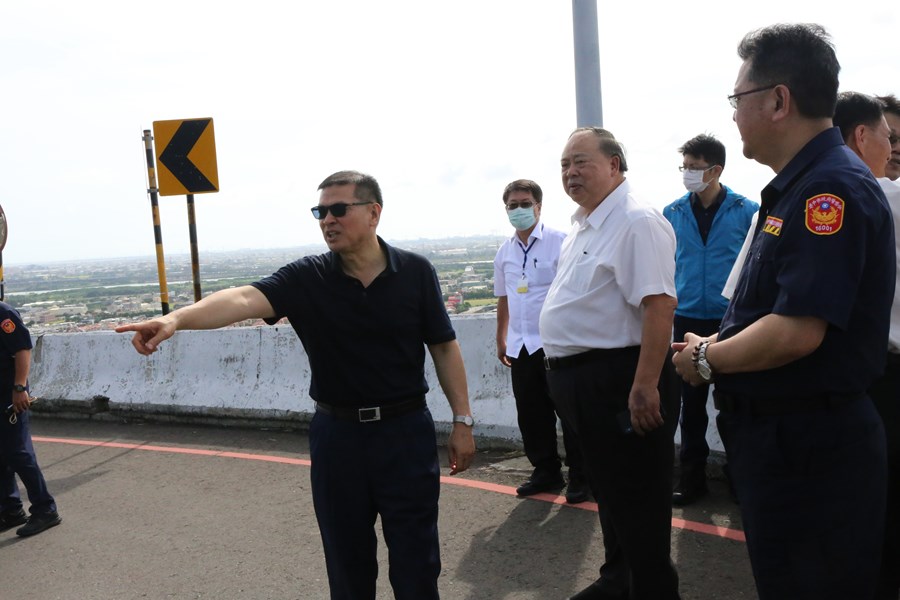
<point>248,373</point>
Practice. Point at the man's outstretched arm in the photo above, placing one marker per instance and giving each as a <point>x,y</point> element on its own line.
<point>216,310</point>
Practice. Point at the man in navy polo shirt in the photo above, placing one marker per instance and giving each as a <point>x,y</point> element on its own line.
<point>805,333</point>
<point>364,312</point>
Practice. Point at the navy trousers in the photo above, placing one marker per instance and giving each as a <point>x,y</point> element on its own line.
<point>361,471</point>
<point>17,458</point>
<point>812,493</point>
<point>536,414</point>
<point>693,418</point>
<point>886,395</point>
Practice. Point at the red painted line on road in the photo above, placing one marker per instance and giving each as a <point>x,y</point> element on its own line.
<point>175,450</point>
<point>717,530</point>
<point>705,528</point>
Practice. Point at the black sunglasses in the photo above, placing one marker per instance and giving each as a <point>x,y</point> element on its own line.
<point>338,209</point>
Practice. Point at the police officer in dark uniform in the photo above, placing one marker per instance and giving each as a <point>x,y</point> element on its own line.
<point>804,335</point>
<point>16,450</point>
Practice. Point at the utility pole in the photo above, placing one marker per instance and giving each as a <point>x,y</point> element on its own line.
<point>588,99</point>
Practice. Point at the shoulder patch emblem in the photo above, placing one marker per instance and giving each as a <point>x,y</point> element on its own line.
<point>773,225</point>
<point>8,326</point>
<point>824,214</point>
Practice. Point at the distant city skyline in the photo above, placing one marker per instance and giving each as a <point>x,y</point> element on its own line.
<point>296,251</point>
<point>444,104</point>
<point>90,295</point>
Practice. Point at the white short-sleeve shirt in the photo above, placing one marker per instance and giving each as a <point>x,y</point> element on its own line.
<point>614,257</point>
<point>892,191</point>
<point>536,261</point>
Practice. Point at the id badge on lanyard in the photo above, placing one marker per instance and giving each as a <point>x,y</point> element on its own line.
<point>522,287</point>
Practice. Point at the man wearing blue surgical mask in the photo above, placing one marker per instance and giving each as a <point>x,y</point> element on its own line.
<point>710,223</point>
<point>524,267</point>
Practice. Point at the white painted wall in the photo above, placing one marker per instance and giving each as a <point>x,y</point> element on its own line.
<point>250,369</point>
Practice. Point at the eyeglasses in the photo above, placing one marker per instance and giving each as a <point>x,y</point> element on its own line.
<point>733,99</point>
<point>704,169</point>
<point>338,209</point>
<point>515,205</point>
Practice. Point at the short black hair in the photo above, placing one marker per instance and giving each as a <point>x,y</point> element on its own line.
<point>800,56</point>
<point>609,145</point>
<point>524,185</point>
<point>890,104</point>
<point>706,147</point>
<point>366,190</point>
<point>854,109</point>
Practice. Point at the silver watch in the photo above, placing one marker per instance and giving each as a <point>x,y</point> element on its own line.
<point>466,420</point>
<point>701,363</point>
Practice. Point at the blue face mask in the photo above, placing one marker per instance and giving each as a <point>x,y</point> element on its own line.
<point>522,218</point>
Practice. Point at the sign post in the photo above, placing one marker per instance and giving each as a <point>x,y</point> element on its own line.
<point>157,229</point>
<point>186,154</point>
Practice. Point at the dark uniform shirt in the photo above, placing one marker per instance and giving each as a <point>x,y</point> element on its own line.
<point>823,247</point>
<point>365,345</point>
<point>14,336</point>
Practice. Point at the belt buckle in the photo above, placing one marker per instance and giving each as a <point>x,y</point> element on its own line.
<point>547,364</point>
<point>367,415</point>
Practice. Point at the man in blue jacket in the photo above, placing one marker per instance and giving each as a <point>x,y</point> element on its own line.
<point>710,224</point>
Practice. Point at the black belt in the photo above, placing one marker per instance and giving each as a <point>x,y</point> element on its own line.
<point>369,414</point>
<point>893,358</point>
<point>551,363</point>
<point>769,407</point>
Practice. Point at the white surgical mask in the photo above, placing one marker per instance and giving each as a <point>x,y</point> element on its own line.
<point>521,218</point>
<point>693,179</point>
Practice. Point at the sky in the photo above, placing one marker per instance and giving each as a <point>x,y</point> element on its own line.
<point>444,103</point>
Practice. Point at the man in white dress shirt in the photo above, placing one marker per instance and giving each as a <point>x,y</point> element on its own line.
<point>865,130</point>
<point>523,270</point>
<point>606,327</point>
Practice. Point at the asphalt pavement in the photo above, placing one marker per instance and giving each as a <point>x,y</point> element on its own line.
<point>186,512</point>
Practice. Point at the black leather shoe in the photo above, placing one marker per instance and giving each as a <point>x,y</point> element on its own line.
<point>10,519</point>
<point>535,485</point>
<point>578,490</point>
<point>689,490</point>
<point>595,591</point>
<point>39,523</point>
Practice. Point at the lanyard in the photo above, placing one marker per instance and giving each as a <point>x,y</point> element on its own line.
<point>525,252</point>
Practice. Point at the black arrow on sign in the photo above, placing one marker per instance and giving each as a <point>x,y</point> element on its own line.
<point>175,157</point>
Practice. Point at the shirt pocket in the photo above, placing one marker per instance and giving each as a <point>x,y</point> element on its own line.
<point>544,275</point>
<point>762,288</point>
<point>588,273</point>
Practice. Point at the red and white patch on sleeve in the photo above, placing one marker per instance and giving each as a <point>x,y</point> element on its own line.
<point>8,326</point>
<point>824,214</point>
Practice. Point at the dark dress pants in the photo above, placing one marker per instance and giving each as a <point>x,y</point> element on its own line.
<point>812,492</point>
<point>536,413</point>
<point>886,395</point>
<point>390,469</point>
<point>693,418</point>
<point>630,475</point>
<point>17,458</point>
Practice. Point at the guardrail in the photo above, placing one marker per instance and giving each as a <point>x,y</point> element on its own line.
<point>248,376</point>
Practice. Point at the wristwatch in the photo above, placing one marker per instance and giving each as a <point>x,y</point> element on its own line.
<point>18,388</point>
<point>704,370</point>
<point>466,420</point>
